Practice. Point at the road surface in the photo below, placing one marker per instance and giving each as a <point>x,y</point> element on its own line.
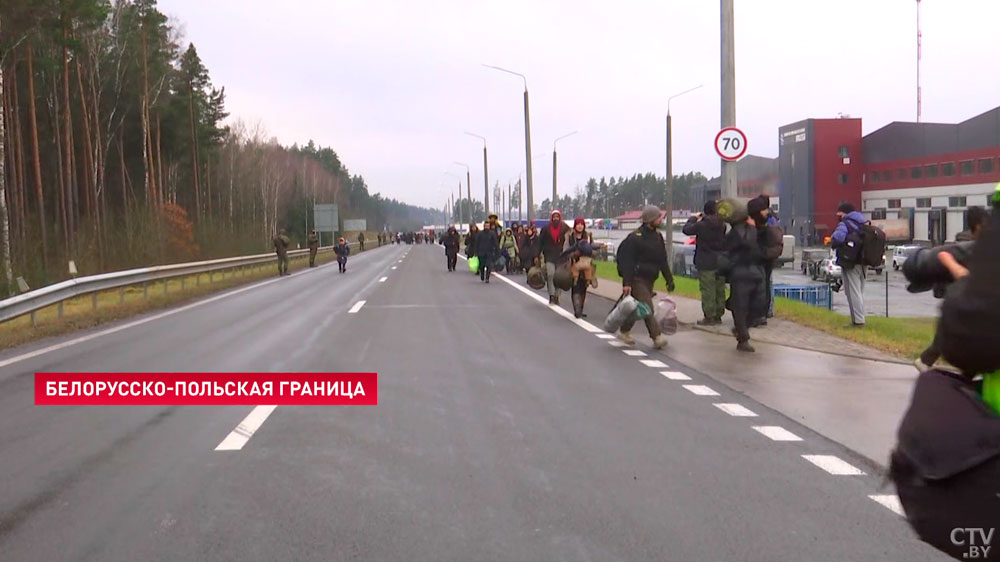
<point>504,431</point>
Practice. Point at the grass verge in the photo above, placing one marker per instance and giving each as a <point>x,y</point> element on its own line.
<point>80,312</point>
<point>904,337</point>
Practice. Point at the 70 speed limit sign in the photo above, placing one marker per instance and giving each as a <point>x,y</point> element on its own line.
<point>731,144</point>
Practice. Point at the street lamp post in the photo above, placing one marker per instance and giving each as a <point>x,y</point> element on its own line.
<point>468,187</point>
<point>527,140</point>
<point>554,194</point>
<point>486,174</point>
<point>461,213</point>
<point>728,94</point>
<point>670,177</point>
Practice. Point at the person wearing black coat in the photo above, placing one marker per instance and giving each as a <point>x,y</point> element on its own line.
<point>745,273</point>
<point>709,231</point>
<point>530,248</point>
<point>488,251</point>
<point>451,243</point>
<point>342,250</point>
<point>641,259</point>
<point>470,241</point>
<point>552,241</point>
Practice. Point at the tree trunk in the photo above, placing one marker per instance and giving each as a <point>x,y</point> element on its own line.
<point>4,219</point>
<point>36,157</point>
<point>88,149</point>
<point>194,153</point>
<point>71,207</point>
<point>148,183</point>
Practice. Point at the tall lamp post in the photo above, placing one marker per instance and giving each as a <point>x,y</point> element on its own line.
<point>670,178</point>
<point>527,140</point>
<point>468,186</point>
<point>728,87</point>
<point>461,213</point>
<point>486,174</point>
<point>555,196</point>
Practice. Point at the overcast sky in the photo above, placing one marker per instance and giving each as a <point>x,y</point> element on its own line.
<point>392,84</point>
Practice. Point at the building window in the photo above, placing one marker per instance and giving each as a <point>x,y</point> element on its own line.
<point>986,166</point>
<point>967,168</point>
<point>887,175</point>
<point>842,179</point>
<point>931,171</point>
<point>843,152</point>
<point>956,201</point>
<point>916,172</point>
<point>895,204</point>
<point>948,169</point>
<point>878,215</point>
<point>923,202</point>
<point>901,174</point>
<point>872,178</point>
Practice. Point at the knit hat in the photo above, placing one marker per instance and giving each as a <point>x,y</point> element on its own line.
<point>650,213</point>
<point>755,206</point>
<point>579,220</point>
<point>555,212</point>
<point>710,207</point>
<point>845,208</point>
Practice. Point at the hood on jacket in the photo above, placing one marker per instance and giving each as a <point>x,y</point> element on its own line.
<point>856,217</point>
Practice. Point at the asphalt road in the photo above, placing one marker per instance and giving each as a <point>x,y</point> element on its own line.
<point>504,431</point>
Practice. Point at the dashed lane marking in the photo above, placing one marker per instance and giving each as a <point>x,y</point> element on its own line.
<point>891,502</point>
<point>675,375</point>
<point>357,306</point>
<point>616,343</point>
<point>382,280</point>
<point>606,336</point>
<point>634,352</point>
<point>776,433</point>
<point>238,437</point>
<point>700,390</point>
<point>737,410</point>
<point>654,363</point>
<point>833,465</point>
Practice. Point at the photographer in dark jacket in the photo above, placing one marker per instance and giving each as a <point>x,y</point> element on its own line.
<point>746,274</point>
<point>641,258</point>
<point>709,231</point>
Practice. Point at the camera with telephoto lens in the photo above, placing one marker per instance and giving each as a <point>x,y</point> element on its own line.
<point>924,270</point>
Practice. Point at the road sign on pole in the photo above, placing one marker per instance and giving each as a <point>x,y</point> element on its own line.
<point>326,217</point>
<point>731,144</point>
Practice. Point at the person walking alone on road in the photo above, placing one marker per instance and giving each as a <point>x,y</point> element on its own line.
<point>553,239</point>
<point>451,244</point>
<point>313,242</point>
<point>508,249</point>
<point>488,250</point>
<point>745,273</point>
<point>641,258</point>
<point>853,274</point>
<point>281,243</point>
<point>709,231</point>
<point>342,250</point>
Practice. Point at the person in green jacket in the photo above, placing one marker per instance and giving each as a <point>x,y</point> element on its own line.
<point>508,249</point>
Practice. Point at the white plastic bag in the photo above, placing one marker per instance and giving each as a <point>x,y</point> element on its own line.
<point>666,315</point>
<point>622,311</point>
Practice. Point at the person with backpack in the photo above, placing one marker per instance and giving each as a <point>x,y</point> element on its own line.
<point>847,240</point>
<point>342,250</point>
<point>772,242</point>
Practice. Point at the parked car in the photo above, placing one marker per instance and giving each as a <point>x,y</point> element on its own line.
<point>787,251</point>
<point>828,270</point>
<point>901,253</point>
<point>811,258</point>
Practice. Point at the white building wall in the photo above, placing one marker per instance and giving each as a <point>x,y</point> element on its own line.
<point>975,194</point>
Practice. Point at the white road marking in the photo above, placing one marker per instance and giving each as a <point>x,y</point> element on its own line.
<point>737,410</point>
<point>394,267</point>
<point>606,336</point>
<point>357,306</point>
<point>656,364</point>
<point>890,501</point>
<point>777,433</point>
<point>616,343</point>
<point>238,437</point>
<point>675,375</point>
<point>382,280</point>
<point>833,465</point>
<point>700,390</point>
<point>633,352</point>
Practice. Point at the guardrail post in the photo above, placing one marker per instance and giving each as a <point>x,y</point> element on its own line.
<point>183,279</point>
<point>93,301</point>
<point>145,290</point>
<point>165,283</point>
<point>60,309</point>
<point>34,321</point>
<point>121,295</point>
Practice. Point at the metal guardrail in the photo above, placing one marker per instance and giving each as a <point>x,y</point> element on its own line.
<point>32,301</point>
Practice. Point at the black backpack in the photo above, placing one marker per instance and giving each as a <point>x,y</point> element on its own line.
<point>864,246</point>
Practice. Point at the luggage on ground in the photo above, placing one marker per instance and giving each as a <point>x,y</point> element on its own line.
<point>666,315</point>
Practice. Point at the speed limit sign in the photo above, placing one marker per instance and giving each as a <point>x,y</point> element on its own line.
<point>731,144</point>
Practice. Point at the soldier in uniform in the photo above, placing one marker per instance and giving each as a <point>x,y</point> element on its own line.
<point>313,241</point>
<point>281,243</point>
<point>361,240</point>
